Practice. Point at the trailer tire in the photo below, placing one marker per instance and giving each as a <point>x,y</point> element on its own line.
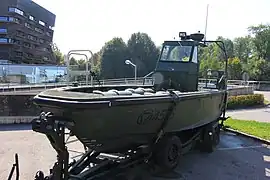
<point>168,152</point>
<point>210,139</point>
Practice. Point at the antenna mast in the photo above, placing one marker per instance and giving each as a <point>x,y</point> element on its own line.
<point>206,21</point>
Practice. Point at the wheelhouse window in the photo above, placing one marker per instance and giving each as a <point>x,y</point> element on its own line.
<point>195,55</point>
<point>176,53</point>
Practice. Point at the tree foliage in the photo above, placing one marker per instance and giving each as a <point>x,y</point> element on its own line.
<point>113,56</point>
<point>143,52</point>
<point>246,54</point>
<point>58,55</point>
<point>250,54</point>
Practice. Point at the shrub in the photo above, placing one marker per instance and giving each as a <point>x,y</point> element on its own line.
<point>243,101</point>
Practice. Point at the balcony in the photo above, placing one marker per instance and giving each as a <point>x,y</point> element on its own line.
<point>16,10</point>
<point>6,19</point>
<point>3,19</point>
<point>3,31</point>
<point>6,41</point>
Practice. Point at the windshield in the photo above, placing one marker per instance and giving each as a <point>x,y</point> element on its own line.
<point>176,53</point>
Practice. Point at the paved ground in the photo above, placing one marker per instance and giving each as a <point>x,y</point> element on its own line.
<point>236,158</point>
<point>260,114</point>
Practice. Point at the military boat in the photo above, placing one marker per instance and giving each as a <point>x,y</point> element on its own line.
<point>162,118</point>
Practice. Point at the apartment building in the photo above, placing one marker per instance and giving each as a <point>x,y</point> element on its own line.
<point>26,33</point>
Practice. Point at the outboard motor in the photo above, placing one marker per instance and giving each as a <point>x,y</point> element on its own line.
<point>178,66</point>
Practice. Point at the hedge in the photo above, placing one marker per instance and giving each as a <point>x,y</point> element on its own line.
<point>243,101</point>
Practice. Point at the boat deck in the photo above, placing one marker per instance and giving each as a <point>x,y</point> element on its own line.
<point>65,93</point>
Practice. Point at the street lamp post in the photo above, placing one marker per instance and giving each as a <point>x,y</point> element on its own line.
<point>135,68</point>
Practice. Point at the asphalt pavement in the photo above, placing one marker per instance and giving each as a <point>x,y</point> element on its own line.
<point>236,158</point>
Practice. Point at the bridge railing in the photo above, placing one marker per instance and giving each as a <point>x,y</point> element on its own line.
<point>119,81</point>
<point>257,85</point>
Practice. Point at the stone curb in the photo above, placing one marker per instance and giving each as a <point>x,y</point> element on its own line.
<point>247,135</point>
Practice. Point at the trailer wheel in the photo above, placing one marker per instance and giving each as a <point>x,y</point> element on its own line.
<point>168,152</point>
<point>210,139</point>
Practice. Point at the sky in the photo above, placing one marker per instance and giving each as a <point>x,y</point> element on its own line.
<point>88,24</point>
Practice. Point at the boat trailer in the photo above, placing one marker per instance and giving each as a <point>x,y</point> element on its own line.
<point>162,155</point>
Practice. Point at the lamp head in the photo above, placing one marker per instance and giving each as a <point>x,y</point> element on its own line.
<point>127,61</point>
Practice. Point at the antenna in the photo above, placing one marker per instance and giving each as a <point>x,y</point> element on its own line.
<point>206,21</point>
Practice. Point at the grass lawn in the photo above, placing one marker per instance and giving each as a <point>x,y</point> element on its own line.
<point>260,129</point>
<point>266,102</point>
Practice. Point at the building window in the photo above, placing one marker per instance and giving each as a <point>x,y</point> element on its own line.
<point>41,23</point>
<point>2,30</point>
<point>20,33</point>
<point>39,30</point>
<point>12,19</point>
<point>18,53</point>
<point>45,58</point>
<point>17,42</point>
<point>3,18</point>
<point>16,10</point>
<point>32,37</point>
<point>31,18</point>
<point>3,40</point>
<point>48,34</point>
<point>26,45</point>
<point>27,25</point>
<point>43,49</point>
<point>29,55</point>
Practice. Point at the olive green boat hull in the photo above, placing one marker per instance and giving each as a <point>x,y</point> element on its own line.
<point>123,123</point>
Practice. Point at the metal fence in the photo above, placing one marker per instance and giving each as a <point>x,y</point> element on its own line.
<point>120,81</point>
<point>257,85</point>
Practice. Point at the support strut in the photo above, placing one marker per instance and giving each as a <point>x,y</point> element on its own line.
<point>55,132</point>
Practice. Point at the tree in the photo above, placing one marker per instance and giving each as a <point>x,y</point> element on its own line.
<point>58,55</point>
<point>229,46</point>
<point>97,62</point>
<point>209,58</point>
<point>113,56</point>
<point>73,61</point>
<point>259,69</point>
<point>234,68</point>
<point>261,40</point>
<point>143,52</point>
<point>243,48</point>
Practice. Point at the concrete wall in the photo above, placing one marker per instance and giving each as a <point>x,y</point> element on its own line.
<point>16,119</point>
<point>244,90</point>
